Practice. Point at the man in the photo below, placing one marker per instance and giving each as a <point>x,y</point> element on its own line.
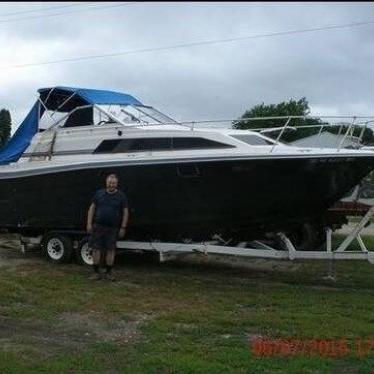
<point>106,221</point>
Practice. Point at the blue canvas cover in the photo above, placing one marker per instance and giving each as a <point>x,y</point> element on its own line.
<point>15,147</point>
<point>102,97</point>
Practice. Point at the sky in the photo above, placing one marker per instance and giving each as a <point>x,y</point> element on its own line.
<point>333,69</point>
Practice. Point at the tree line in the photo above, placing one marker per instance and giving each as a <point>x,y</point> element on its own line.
<point>5,126</point>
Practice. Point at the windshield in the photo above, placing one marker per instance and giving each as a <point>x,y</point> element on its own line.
<point>131,114</point>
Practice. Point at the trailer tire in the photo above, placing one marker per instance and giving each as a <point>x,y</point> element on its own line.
<point>310,237</point>
<point>84,253</point>
<point>57,248</point>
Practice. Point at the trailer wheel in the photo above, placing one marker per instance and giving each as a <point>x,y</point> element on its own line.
<point>310,237</point>
<point>84,253</point>
<point>57,248</point>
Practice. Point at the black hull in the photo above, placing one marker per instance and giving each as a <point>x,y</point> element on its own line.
<point>242,199</point>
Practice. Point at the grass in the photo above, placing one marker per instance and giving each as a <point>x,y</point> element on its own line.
<point>354,246</point>
<point>181,317</point>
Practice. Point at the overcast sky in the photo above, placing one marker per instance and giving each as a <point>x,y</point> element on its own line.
<point>333,69</point>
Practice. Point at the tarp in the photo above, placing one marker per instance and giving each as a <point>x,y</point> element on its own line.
<point>21,139</point>
<point>102,97</point>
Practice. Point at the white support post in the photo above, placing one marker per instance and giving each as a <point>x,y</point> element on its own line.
<point>328,240</point>
<point>346,133</point>
<point>291,249</point>
<point>263,245</point>
<point>361,243</point>
<point>281,133</point>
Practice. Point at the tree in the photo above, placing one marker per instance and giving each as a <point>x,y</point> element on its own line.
<point>293,108</point>
<point>5,126</point>
<point>290,108</point>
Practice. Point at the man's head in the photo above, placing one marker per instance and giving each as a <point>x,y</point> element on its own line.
<point>111,182</point>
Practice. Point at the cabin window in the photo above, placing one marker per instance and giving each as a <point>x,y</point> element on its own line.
<point>198,143</point>
<point>144,144</point>
<point>253,139</point>
<point>133,145</point>
<point>157,144</point>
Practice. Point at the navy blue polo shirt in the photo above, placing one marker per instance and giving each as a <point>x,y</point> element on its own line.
<point>109,207</point>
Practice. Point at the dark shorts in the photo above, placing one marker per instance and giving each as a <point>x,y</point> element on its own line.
<point>103,238</point>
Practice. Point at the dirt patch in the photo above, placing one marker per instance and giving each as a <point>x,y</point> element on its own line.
<point>244,262</point>
<point>70,331</point>
<point>98,328</point>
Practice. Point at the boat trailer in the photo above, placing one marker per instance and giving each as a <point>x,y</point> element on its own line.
<point>54,247</point>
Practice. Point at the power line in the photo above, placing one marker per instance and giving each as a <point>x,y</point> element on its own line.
<point>192,44</point>
<point>62,13</point>
<point>45,9</point>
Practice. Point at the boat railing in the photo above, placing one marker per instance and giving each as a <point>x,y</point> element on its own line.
<point>346,124</point>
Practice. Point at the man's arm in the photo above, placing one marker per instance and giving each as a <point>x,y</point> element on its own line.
<point>125,219</point>
<point>90,215</point>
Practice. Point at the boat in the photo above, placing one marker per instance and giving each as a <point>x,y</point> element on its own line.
<point>184,183</point>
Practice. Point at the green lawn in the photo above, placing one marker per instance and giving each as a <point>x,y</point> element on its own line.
<point>181,317</point>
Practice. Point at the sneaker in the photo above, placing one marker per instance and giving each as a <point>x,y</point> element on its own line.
<point>110,277</point>
<point>96,277</point>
